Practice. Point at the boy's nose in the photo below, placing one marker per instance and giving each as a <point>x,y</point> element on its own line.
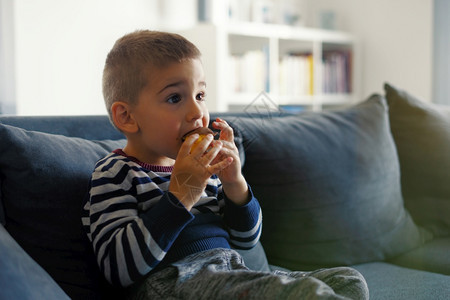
<point>195,110</point>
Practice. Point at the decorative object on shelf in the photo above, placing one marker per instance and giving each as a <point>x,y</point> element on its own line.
<point>327,19</point>
<point>287,12</point>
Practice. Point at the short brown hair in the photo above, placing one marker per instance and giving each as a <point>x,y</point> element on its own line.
<point>127,64</point>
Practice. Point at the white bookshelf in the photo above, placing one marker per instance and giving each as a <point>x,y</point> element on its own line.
<point>260,49</point>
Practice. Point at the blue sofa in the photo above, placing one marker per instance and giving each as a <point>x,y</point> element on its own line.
<point>366,186</point>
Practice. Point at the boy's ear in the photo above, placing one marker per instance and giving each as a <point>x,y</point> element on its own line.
<point>122,117</point>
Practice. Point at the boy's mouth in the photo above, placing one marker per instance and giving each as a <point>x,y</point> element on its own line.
<point>202,131</point>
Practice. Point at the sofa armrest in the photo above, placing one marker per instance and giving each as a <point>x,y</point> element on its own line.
<point>21,277</point>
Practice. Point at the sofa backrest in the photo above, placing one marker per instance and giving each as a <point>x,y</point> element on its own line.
<point>87,127</point>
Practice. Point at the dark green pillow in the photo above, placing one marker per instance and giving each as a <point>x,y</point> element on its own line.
<point>421,131</point>
<point>329,187</point>
<point>44,179</point>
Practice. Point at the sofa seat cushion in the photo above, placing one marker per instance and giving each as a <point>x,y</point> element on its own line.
<point>44,179</point>
<point>387,281</point>
<point>421,131</point>
<point>329,187</point>
<point>255,259</point>
<point>434,256</point>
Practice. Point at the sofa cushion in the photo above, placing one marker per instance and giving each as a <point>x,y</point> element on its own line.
<point>44,179</point>
<point>329,187</point>
<point>255,258</point>
<point>21,277</point>
<point>434,256</point>
<point>386,281</point>
<point>421,131</point>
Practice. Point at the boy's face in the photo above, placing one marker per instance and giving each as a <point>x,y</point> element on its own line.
<point>172,104</point>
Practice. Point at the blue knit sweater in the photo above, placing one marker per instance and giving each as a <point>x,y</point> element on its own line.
<point>136,225</point>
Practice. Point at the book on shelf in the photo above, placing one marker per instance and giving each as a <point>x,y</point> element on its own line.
<point>296,74</point>
<point>249,71</point>
<point>337,74</point>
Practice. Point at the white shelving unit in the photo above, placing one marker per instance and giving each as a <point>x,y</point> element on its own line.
<point>261,48</point>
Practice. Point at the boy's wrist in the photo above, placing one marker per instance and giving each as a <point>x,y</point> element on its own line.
<point>237,192</point>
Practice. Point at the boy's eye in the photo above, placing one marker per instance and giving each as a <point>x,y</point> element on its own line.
<point>174,99</point>
<point>201,96</point>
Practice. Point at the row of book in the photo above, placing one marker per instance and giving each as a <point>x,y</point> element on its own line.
<point>296,74</point>
<point>250,72</point>
<point>337,72</point>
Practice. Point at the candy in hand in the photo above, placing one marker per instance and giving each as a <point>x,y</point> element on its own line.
<point>201,131</point>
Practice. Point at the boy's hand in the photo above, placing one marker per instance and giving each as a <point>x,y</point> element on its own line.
<point>194,166</point>
<point>233,182</point>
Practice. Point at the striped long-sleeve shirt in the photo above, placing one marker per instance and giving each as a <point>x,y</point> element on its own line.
<point>135,224</point>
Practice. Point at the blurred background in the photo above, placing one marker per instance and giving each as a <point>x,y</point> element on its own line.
<point>52,51</point>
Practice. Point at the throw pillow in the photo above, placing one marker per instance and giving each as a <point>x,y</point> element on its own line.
<point>44,179</point>
<point>421,131</point>
<point>329,187</point>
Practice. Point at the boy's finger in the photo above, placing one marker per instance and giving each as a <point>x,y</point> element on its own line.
<point>225,129</point>
<point>186,146</point>
<point>216,168</point>
<point>199,147</point>
<point>211,154</point>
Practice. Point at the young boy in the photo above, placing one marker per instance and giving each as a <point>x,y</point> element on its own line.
<point>163,213</point>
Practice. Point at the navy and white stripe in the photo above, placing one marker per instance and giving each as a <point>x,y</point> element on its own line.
<point>247,239</point>
<point>133,222</point>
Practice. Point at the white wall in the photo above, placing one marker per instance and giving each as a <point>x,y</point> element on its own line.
<point>396,40</point>
<point>441,50</point>
<point>61,47</point>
